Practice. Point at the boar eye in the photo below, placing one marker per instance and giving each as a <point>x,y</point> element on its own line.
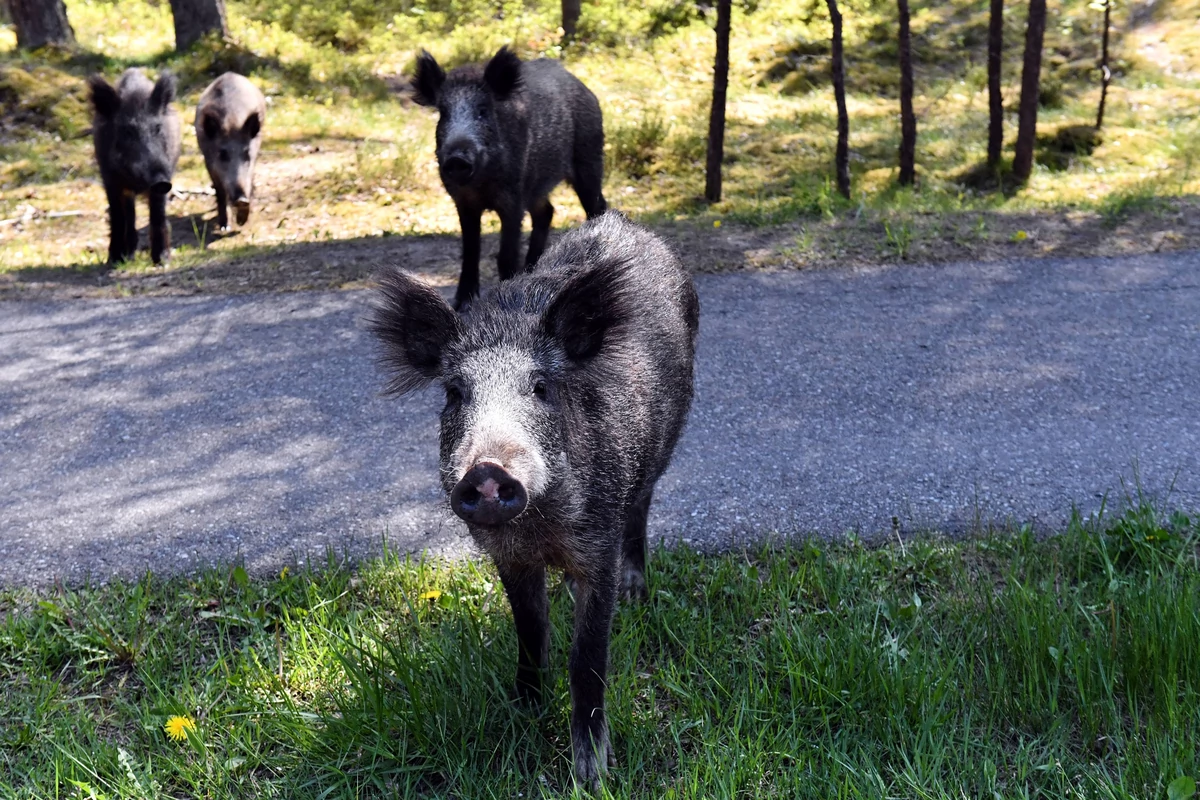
<point>453,396</point>
<point>539,390</point>
<point>224,155</point>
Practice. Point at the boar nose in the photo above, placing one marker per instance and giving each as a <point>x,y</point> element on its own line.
<point>488,496</point>
<point>459,167</point>
<point>161,187</point>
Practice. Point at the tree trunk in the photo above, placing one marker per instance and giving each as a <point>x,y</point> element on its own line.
<point>908,120</point>
<point>40,22</point>
<point>716,121</point>
<point>1035,31</point>
<point>995,100</point>
<point>570,17</point>
<point>842,158</point>
<point>194,18</point>
<point>1105,72</point>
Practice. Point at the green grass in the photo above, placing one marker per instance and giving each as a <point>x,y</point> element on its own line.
<point>1004,666</point>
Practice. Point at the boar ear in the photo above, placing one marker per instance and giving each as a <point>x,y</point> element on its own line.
<point>428,80</point>
<point>503,73</point>
<point>104,97</point>
<point>211,125</point>
<point>164,92</point>
<point>251,126</point>
<point>587,312</point>
<point>415,325</point>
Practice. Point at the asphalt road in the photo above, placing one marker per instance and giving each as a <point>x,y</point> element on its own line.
<point>174,432</point>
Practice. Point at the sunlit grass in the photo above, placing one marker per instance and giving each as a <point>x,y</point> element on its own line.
<point>333,115</point>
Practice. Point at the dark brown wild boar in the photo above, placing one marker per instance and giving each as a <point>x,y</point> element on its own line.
<point>136,133</point>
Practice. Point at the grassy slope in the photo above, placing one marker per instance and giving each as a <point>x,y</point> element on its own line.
<point>1002,667</point>
<point>344,158</point>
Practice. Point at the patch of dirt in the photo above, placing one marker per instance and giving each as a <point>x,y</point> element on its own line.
<point>849,241</point>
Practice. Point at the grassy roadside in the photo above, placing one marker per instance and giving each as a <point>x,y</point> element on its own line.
<point>348,159</point>
<point>998,667</point>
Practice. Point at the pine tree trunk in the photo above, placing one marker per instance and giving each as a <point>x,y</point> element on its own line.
<point>571,10</point>
<point>1105,72</point>
<point>995,100</point>
<point>908,120</point>
<point>842,158</point>
<point>195,18</point>
<point>716,121</point>
<point>40,22</point>
<point>1035,32</point>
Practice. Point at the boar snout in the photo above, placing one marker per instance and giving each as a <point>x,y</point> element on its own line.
<point>488,496</point>
<point>243,209</point>
<point>459,167</point>
<point>161,187</point>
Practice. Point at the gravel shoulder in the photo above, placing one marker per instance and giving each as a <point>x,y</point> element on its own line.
<point>172,432</point>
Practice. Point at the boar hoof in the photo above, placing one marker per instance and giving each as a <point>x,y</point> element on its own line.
<point>592,762</point>
<point>243,213</point>
<point>633,585</point>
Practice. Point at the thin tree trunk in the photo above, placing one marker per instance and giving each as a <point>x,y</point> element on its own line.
<point>1105,72</point>
<point>571,10</point>
<point>195,18</point>
<point>995,100</point>
<point>716,121</point>
<point>1035,32</point>
<point>908,120</point>
<point>41,22</point>
<point>842,158</point>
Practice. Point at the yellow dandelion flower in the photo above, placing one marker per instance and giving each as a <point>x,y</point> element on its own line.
<point>432,594</point>
<point>716,223</point>
<point>1020,236</point>
<point>177,727</point>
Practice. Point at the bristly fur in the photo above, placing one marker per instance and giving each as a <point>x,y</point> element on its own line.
<point>575,380</point>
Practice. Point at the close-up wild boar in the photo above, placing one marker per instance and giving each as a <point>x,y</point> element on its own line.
<point>508,132</point>
<point>566,391</point>
<point>137,139</point>
<point>229,122</point>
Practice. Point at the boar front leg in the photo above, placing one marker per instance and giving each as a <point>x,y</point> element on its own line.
<point>526,590</point>
<point>468,279</point>
<point>160,232</point>
<point>595,599</point>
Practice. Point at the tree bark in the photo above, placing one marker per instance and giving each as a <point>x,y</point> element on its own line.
<point>1105,72</point>
<point>1035,31</point>
<point>571,10</point>
<point>716,121</point>
<point>995,100</point>
<point>195,18</point>
<point>908,119</point>
<point>842,158</point>
<point>40,22</point>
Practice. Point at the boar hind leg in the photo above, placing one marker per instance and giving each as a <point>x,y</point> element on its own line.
<point>595,599</point>
<point>541,214</point>
<point>160,232</point>
<point>589,182</point>
<point>129,214</point>
<point>468,279</point>
<point>510,242</point>
<point>526,590</point>
<point>633,568</point>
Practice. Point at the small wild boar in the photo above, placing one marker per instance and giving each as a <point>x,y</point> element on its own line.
<point>507,134</point>
<point>137,136</point>
<point>229,120</point>
<point>566,391</point>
